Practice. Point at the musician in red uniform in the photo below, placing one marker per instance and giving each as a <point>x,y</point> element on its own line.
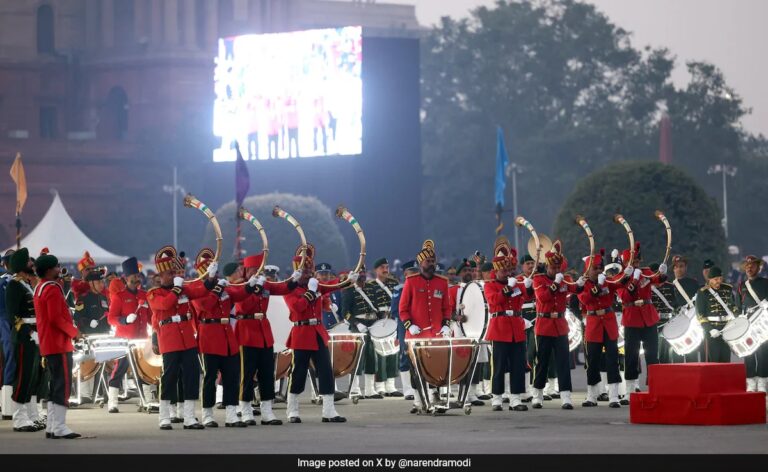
<point>56,332</point>
<point>309,341</point>
<point>552,289</point>
<point>129,314</point>
<point>425,307</point>
<point>85,265</point>
<point>175,335</point>
<point>601,333</point>
<point>506,328</point>
<point>254,335</point>
<point>639,316</point>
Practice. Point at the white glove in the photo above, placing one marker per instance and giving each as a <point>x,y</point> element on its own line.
<point>178,281</point>
<point>414,330</point>
<point>296,275</point>
<point>663,269</point>
<point>334,307</point>
<point>353,277</point>
<point>212,269</point>
<point>600,279</point>
<point>445,331</point>
<point>558,278</point>
<point>223,282</point>
<point>362,328</point>
<point>130,318</point>
<point>511,281</point>
<point>528,324</point>
<point>614,254</point>
<point>628,271</point>
<point>527,281</point>
<point>260,280</point>
<point>94,324</point>
<point>715,333</point>
<point>581,281</point>
<point>34,337</point>
<point>636,274</point>
<point>252,281</point>
<point>313,284</point>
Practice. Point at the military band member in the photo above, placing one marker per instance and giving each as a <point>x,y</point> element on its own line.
<point>551,327</point>
<point>331,301</point>
<point>309,341</point>
<point>529,313</point>
<point>506,328</point>
<point>465,271</point>
<point>129,314</point>
<point>86,265</point>
<point>639,316</point>
<point>360,308</point>
<point>751,292</point>
<point>715,306</point>
<point>706,267</point>
<point>56,332</point>
<point>92,306</point>
<point>386,372</point>
<point>409,268</point>
<point>425,307</point>
<point>175,335</point>
<point>9,363</point>
<point>665,302</point>
<point>601,333</point>
<point>254,334</point>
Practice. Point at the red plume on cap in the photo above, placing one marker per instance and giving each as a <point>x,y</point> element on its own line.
<point>626,253</point>
<point>254,261</point>
<point>597,260</point>
<point>86,262</point>
<point>44,251</point>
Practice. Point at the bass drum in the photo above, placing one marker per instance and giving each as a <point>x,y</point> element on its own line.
<point>442,361</point>
<point>279,320</point>
<point>89,368</point>
<point>345,348</point>
<point>148,364</point>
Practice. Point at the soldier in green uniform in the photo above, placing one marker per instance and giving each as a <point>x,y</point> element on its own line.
<point>91,309</point>
<point>665,302</point>
<point>686,289</point>
<point>360,308</point>
<point>529,313</point>
<point>751,292</point>
<point>387,367</point>
<point>29,370</point>
<point>715,306</point>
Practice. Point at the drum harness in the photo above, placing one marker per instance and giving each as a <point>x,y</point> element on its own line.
<point>661,296</point>
<point>688,300</point>
<point>722,303</point>
<point>368,316</point>
<point>757,299</point>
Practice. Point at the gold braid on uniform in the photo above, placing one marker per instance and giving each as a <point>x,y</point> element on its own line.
<point>177,290</point>
<point>407,324</point>
<point>310,296</point>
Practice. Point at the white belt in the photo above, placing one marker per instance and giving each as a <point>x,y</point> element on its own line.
<point>367,316</point>
<point>528,306</point>
<point>29,320</point>
<point>717,318</point>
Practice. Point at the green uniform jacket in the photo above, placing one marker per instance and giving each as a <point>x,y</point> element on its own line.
<point>707,306</point>
<point>19,302</point>
<point>667,290</point>
<point>386,300</point>
<point>691,288</point>
<point>353,305</point>
<point>92,306</point>
<point>746,300</point>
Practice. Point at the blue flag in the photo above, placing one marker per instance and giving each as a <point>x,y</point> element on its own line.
<point>501,167</point>
<point>242,178</point>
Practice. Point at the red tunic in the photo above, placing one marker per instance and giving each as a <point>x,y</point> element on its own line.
<point>165,303</point>
<point>215,338</point>
<point>303,306</point>
<point>595,298</point>
<point>453,297</point>
<point>633,316</point>
<point>425,303</point>
<point>122,304</point>
<point>502,298</point>
<point>551,298</point>
<point>54,321</point>
<point>252,332</point>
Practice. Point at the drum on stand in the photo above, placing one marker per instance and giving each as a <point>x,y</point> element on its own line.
<point>575,330</point>
<point>149,366</point>
<point>684,332</point>
<point>476,310</point>
<point>346,349</point>
<point>384,337</point>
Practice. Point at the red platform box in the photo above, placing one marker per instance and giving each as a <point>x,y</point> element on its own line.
<point>696,378</point>
<point>707,409</point>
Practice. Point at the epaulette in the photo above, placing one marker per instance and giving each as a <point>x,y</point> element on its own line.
<point>412,275</point>
<point>704,288</point>
<point>726,285</point>
<point>441,276</point>
<point>79,307</point>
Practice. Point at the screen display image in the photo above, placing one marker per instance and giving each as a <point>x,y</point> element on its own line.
<point>289,95</point>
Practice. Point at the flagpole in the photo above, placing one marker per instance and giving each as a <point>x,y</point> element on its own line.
<point>18,230</point>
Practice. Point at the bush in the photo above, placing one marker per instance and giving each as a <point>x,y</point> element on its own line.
<point>317,221</point>
<point>637,190</point>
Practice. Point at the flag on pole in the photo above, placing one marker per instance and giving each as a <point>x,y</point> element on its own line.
<point>242,178</point>
<point>18,176</point>
<point>501,176</point>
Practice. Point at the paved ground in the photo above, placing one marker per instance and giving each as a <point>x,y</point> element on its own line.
<point>385,426</point>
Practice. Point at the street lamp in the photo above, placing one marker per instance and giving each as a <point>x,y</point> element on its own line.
<point>174,190</point>
<point>729,171</point>
<point>512,170</point>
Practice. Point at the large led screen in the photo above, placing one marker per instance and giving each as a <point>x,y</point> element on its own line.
<point>289,95</point>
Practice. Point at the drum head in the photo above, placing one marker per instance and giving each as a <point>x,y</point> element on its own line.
<point>383,328</point>
<point>676,327</point>
<point>340,328</point>
<point>475,309</point>
<point>735,329</point>
<point>279,320</point>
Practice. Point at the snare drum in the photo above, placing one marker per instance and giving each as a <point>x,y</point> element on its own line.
<point>149,365</point>
<point>684,334</point>
<point>759,321</point>
<point>575,331</point>
<point>384,337</point>
<point>740,336</point>
<point>442,361</point>
<point>107,348</point>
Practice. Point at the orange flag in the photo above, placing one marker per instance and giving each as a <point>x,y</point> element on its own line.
<point>18,176</point>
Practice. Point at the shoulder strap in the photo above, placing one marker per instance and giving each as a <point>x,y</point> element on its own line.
<point>39,289</point>
<point>658,293</point>
<point>681,290</point>
<point>384,287</point>
<point>752,292</point>
<point>720,301</point>
<point>365,297</point>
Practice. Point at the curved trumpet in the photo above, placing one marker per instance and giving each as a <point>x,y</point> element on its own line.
<point>536,249</point>
<point>344,214</point>
<point>278,212</point>
<point>631,237</point>
<point>581,221</point>
<point>248,216</point>
<point>660,216</point>
<point>191,202</point>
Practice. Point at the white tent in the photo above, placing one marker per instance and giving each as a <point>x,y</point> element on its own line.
<point>64,239</point>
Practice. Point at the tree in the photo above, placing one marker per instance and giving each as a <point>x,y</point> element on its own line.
<point>315,218</point>
<point>636,190</point>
